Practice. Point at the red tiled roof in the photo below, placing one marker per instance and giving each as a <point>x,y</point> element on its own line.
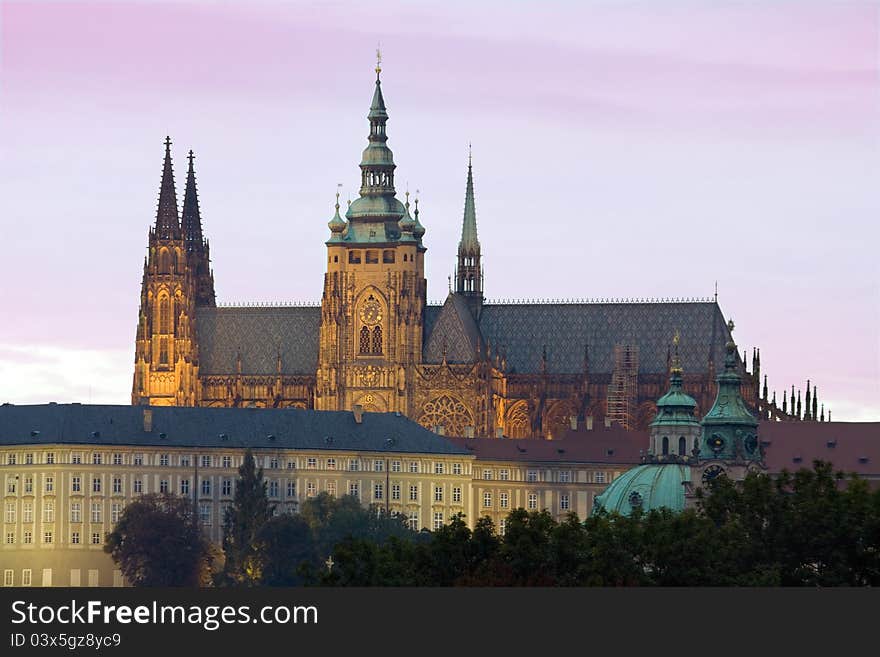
<point>600,445</point>
<point>850,446</point>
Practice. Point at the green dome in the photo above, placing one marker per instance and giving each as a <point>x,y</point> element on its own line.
<point>675,407</point>
<point>650,486</point>
<point>336,224</point>
<point>378,207</point>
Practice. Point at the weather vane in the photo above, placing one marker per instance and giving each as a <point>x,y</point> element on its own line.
<point>378,59</point>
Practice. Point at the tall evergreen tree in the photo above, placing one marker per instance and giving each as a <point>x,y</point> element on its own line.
<point>242,525</point>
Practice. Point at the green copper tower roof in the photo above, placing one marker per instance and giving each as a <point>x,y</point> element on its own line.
<point>675,407</point>
<point>337,224</point>
<point>647,487</point>
<point>730,431</point>
<point>375,215</point>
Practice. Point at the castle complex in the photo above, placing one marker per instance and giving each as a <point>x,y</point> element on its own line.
<point>466,368</point>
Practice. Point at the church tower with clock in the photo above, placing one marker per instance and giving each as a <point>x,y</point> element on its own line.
<point>374,296</point>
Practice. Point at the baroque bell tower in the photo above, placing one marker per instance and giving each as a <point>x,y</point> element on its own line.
<point>373,302</point>
<point>176,276</point>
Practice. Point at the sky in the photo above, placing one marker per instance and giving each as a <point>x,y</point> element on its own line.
<point>620,151</point>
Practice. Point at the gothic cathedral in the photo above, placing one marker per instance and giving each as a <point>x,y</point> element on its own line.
<point>468,367</point>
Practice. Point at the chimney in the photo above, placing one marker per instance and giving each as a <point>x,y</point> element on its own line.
<point>499,432</point>
<point>589,423</point>
<point>468,431</point>
<point>607,422</point>
<point>148,420</point>
<point>574,422</point>
<point>358,412</point>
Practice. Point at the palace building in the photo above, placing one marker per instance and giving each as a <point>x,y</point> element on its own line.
<point>468,367</point>
<point>69,470</point>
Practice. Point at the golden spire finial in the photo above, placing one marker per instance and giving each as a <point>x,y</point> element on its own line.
<point>378,60</point>
<point>338,189</point>
<point>676,361</point>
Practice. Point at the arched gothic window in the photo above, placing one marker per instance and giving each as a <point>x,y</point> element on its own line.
<point>163,351</point>
<point>682,446</point>
<point>365,340</point>
<point>164,262</point>
<point>377,340</point>
<point>665,445</point>
<point>164,315</point>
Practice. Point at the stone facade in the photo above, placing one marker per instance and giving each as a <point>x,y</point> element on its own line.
<point>467,367</point>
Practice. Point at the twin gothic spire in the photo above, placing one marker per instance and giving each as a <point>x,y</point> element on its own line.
<point>168,223</point>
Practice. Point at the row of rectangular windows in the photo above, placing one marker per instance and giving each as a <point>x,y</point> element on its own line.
<point>209,461</point>
<point>226,487</point>
<point>75,577</point>
<point>531,503</point>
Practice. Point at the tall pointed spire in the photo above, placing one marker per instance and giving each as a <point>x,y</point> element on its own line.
<point>469,241</point>
<point>469,272</point>
<point>807,404</point>
<point>192,218</point>
<point>167,218</point>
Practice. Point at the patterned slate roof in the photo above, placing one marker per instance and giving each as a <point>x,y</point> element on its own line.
<point>524,329</point>
<point>259,334</point>
<point>454,332</point>
<point>177,426</point>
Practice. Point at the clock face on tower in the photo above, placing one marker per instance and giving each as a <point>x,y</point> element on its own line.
<point>711,473</point>
<point>371,312</point>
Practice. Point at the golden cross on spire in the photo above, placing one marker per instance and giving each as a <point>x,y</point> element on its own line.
<point>676,338</point>
<point>378,60</point>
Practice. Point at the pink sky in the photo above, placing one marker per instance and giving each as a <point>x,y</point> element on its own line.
<point>632,151</point>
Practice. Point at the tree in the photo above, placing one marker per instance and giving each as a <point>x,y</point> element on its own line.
<point>157,542</point>
<point>335,519</point>
<point>285,550</point>
<point>242,524</point>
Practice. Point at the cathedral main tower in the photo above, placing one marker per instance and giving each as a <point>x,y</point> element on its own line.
<point>372,308</point>
<point>177,278</point>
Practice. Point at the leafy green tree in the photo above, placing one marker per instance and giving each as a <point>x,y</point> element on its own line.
<point>242,524</point>
<point>285,551</point>
<point>157,542</point>
<point>335,519</point>
<point>525,552</point>
<point>614,549</point>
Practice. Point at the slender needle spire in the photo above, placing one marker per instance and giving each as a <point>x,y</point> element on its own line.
<point>167,217</point>
<point>192,218</point>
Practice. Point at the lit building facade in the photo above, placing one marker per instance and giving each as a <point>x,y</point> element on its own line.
<point>68,471</point>
<point>466,367</point>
